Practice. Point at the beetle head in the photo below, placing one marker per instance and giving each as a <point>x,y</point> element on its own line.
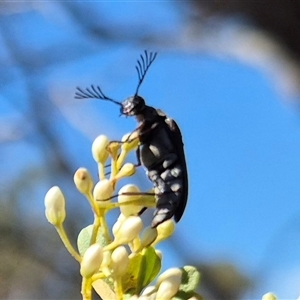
<point>133,106</point>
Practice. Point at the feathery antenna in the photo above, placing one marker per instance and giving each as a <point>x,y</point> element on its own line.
<point>94,93</point>
<point>143,65</point>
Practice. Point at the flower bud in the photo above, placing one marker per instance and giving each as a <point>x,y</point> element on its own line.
<point>269,296</point>
<point>83,181</point>
<point>113,149</point>
<point>149,290</point>
<point>129,230</point>
<point>165,230</point>
<point>127,170</point>
<point>159,254</point>
<point>168,283</point>
<point>129,210</point>
<point>118,223</point>
<point>99,151</point>
<point>119,261</point>
<point>131,141</point>
<point>148,236</point>
<point>103,190</point>
<point>55,206</point>
<point>91,261</point>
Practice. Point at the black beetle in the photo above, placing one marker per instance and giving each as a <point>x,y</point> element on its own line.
<point>160,148</point>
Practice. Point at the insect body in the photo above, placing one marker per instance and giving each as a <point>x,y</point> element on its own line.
<point>160,148</point>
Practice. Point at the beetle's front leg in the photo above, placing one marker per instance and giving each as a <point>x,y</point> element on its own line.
<point>127,145</point>
<point>141,130</point>
<point>130,138</point>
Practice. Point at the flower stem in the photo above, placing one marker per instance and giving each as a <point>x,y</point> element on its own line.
<point>118,288</point>
<point>101,171</point>
<point>121,158</point>
<point>63,235</point>
<point>86,288</point>
<point>96,226</point>
<point>93,203</point>
<point>104,226</point>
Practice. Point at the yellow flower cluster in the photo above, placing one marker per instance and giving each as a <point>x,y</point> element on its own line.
<point>116,262</point>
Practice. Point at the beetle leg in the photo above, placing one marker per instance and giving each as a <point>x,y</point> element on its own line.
<point>138,157</point>
<point>141,132</point>
<point>129,139</point>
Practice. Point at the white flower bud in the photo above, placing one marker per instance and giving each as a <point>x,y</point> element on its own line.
<point>118,223</point>
<point>103,190</point>
<point>119,261</point>
<point>166,290</point>
<point>168,284</point>
<point>159,254</point>
<point>99,151</point>
<point>269,296</point>
<point>149,290</point>
<point>55,206</point>
<point>129,230</point>
<point>148,236</point>
<point>83,181</point>
<point>91,261</point>
<point>128,210</point>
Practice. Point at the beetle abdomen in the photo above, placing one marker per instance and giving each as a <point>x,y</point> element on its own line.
<point>168,186</point>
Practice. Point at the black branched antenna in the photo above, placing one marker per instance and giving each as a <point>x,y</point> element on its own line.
<point>143,65</point>
<point>93,92</point>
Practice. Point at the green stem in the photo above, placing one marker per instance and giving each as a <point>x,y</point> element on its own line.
<point>63,235</point>
<point>104,226</point>
<point>100,222</point>
<point>86,288</point>
<point>101,171</point>
<point>118,288</point>
<point>113,169</point>
<point>98,276</point>
<point>93,203</point>
<point>121,158</point>
<point>96,226</point>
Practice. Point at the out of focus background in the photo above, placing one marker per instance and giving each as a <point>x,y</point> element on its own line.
<point>226,71</point>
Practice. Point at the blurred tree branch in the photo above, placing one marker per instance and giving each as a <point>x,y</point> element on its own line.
<point>279,18</point>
